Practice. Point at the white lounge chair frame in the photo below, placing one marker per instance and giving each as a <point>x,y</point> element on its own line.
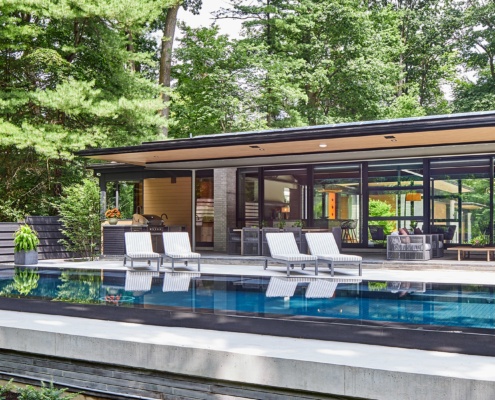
<point>324,246</point>
<point>138,247</point>
<point>177,247</point>
<point>283,247</point>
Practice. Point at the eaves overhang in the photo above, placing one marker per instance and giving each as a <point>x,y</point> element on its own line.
<point>455,133</point>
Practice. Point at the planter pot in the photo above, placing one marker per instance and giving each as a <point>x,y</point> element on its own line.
<point>26,257</point>
<point>113,221</point>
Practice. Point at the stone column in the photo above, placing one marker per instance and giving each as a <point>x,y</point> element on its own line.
<point>225,205</point>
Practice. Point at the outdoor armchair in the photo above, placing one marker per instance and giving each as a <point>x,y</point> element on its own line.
<point>324,246</point>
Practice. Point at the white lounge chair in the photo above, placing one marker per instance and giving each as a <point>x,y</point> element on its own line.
<point>283,247</point>
<point>139,280</point>
<point>323,245</point>
<point>138,247</point>
<point>176,246</point>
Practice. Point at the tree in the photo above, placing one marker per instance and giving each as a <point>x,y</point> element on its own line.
<point>213,91</point>
<point>320,62</point>
<point>427,31</point>
<point>475,91</point>
<point>70,79</point>
<point>167,23</point>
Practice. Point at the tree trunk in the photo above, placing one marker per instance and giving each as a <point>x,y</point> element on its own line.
<point>166,59</point>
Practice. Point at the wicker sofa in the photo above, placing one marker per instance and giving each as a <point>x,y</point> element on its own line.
<point>409,247</point>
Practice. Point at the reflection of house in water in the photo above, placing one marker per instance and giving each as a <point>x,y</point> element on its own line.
<point>433,172</point>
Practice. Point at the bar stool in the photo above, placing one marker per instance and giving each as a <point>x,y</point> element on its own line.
<point>349,231</point>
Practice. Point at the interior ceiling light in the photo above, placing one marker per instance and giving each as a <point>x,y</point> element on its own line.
<point>322,145</point>
<point>391,138</point>
<point>254,147</point>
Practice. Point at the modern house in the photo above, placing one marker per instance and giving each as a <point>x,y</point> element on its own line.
<point>435,171</point>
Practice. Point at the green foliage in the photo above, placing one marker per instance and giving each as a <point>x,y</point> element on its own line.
<point>25,239</point>
<point>475,91</point>
<point>377,286</point>
<point>79,210</point>
<point>208,94</point>
<point>7,388</point>
<point>73,75</point>
<point>378,208</point>
<point>480,240</point>
<point>26,280</point>
<point>43,393</point>
<point>23,282</point>
<point>80,288</point>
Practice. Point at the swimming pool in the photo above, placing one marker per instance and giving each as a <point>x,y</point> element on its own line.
<point>409,304</point>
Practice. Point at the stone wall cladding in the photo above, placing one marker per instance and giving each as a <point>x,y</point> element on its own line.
<point>225,201</point>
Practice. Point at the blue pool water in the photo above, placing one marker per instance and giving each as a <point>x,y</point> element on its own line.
<point>445,305</point>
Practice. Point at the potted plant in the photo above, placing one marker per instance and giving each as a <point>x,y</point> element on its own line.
<point>113,215</point>
<point>25,246</point>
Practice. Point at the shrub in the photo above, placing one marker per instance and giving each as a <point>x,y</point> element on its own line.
<point>10,391</point>
<point>79,211</point>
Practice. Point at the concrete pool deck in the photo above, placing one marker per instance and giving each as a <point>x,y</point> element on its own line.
<point>306,365</point>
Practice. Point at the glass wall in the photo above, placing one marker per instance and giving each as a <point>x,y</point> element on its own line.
<point>284,199</point>
<point>337,199</point>
<point>395,198</point>
<point>460,200</point>
<point>371,200</point>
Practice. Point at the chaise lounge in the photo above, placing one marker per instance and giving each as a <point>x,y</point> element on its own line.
<point>283,247</point>
<point>176,246</point>
<point>138,247</point>
<point>324,246</point>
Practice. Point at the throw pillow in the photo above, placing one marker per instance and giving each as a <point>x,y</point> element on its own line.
<point>404,232</point>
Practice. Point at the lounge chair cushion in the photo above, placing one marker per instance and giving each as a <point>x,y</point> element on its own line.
<point>176,245</point>
<point>283,246</point>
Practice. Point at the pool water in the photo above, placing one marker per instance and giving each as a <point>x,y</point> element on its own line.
<point>445,305</point>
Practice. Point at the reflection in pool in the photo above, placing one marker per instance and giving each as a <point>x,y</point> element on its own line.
<point>446,305</point>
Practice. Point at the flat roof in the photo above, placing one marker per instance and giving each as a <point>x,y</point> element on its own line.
<point>443,135</point>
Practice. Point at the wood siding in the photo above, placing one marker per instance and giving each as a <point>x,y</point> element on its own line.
<point>7,230</point>
<point>174,199</point>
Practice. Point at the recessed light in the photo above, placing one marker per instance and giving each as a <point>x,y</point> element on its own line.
<point>322,145</point>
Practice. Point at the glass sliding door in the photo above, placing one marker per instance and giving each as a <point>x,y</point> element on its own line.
<point>395,199</point>
<point>205,216</point>
<point>460,200</point>
<point>248,198</point>
<point>337,199</point>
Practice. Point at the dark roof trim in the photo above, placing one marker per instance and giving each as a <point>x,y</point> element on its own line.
<point>369,128</point>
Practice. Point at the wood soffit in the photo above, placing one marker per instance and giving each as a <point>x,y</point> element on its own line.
<point>151,153</point>
<point>455,134</point>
